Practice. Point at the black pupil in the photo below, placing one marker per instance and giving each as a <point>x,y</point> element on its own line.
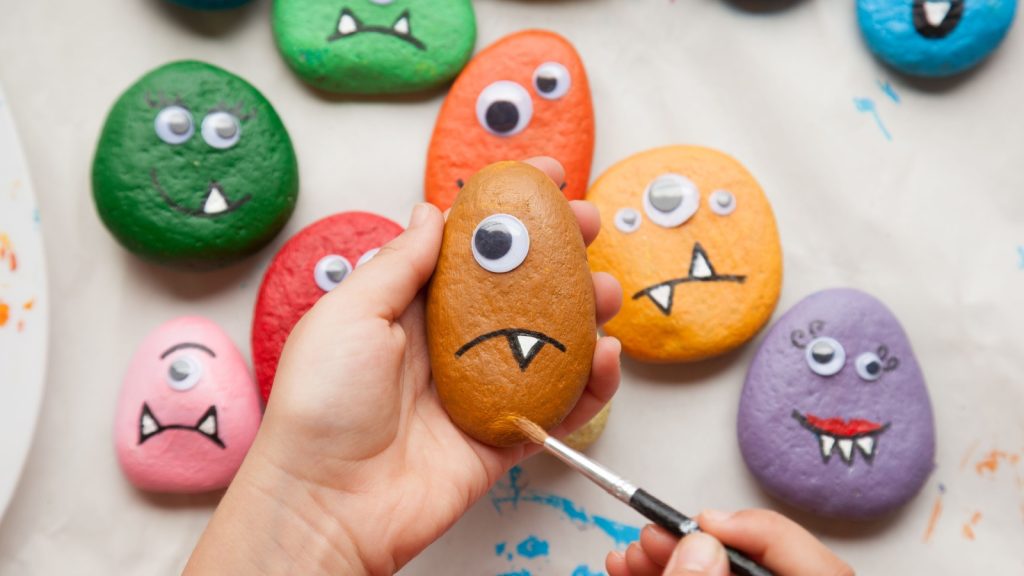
<point>502,116</point>
<point>179,371</point>
<point>547,84</point>
<point>873,368</point>
<point>493,240</point>
<point>822,353</point>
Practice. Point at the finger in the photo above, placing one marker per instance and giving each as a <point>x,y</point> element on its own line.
<point>388,283</point>
<point>775,541</point>
<point>658,544</point>
<point>638,562</point>
<point>588,218</point>
<point>548,165</point>
<point>698,555</point>
<point>604,382</point>
<point>615,564</point>
<point>607,296</point>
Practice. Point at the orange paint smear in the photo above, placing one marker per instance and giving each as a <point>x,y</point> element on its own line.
<point>934,519</point>
<point>5,313</point>
<point>968,454</point>
<point>28,305</point>
<point>990,463</point>
<point>7,253</point>
<point>968,528</point>
<point>21,325</point>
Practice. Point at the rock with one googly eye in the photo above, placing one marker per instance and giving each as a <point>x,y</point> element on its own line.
<point>188,409</point>
<point>835,417</point>
<point>194,168</point>
<point>525,95</point>
<point>510,309</point>
<point>312,263</point>
<point>691,237</point>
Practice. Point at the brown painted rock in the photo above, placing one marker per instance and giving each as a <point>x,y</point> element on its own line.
<point>510,311</point>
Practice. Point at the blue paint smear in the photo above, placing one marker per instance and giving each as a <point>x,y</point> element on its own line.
<point>532,547</point>
<point>520,573</point>
<point>867,105</point>
<point>621,533</point>
<point>499,549</point>
<point>889,91</point>
<point>584,570</point>
<point>1020,252</point>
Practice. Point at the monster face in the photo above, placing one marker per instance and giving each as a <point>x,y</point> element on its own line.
<point>691,237</point>
<point>934,37</point>
<point>194,168</point>
<point>310,264</point>
<point>188,410</point>
<point>526,95</point>
<point>375,46</point>
<point>835,417</point>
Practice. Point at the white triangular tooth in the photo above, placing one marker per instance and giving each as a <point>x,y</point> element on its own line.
<point>215,202</point>
<point>935,12</point>
<point>209,425</point>
<point>149,425</point>
<point>347,25</point>
<point>828,443</point>
<point>846,448</point>
<point>661,296</point>
<point>402,26</point>
<point>866,444</point>
<point>527,345</point>
<point>700,268</point>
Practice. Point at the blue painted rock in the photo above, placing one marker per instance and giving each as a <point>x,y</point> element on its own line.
<point>835,416</point>
<point>934,37</point>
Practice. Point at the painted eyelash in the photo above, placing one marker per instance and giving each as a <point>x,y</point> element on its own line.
<point>890,363</point>
<point>235,110</point>
<point>162,101</point>
<point>799,337</point>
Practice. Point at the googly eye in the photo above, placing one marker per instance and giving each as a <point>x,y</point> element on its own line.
<point>330,271</point>
<point>552,80</point>
<point>500,243</point>
<point>184,373</point>
<point>504,108</point>
<point>869,366</point>
<point>825,356</point>
<point>722,202</point>
<point>671,199</point>
<point>174,125</point>
<point>367,256</point>
<point>221,130</point>
<point>627,220</point>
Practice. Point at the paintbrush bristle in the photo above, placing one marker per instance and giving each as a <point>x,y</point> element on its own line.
<point>532,431</point>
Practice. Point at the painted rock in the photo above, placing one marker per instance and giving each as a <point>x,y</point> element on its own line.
<point>835,417</point>
<point>188,410</point>
<point>375,46</point>
<point>526,95</point>
<point>210,4</point>
<point>194,168</point>
<point>587,434</point>
<point>510,309</point>
<point>310,264</point>
<point>934,37</point>
<point>691,237</point>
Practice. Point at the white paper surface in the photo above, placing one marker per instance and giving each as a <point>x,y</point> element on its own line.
<point>932,222</point>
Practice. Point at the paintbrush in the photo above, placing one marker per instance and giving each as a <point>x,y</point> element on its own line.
<point>639,499</point>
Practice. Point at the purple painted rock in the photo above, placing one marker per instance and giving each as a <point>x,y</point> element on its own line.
<point>835,416</point>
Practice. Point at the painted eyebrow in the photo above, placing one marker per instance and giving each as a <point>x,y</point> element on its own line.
<point>184,345</point>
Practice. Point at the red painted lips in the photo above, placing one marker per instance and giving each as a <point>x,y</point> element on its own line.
<point>841,428</point>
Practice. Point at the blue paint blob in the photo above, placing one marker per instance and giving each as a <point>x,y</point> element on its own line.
<point>499,549</point>
<point>519,573</point>
<point>210,4</point>
<point>532,547</point>
<point>622,534</point>
<point>934,38</point>
<point>584,570</point>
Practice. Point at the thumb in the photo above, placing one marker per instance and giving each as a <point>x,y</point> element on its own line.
<point>698,555</point>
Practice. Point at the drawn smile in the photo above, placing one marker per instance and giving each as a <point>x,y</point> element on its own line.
<point>206,426</point>
<point>349,26</point>
<point>525,344</point>
<point>936,19</point>
<point>215,204</point>
<point>844,434</point>
<point>701,270</point>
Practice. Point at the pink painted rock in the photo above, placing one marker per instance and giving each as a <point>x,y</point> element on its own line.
<point>188,410</point>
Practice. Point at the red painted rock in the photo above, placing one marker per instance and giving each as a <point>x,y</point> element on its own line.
<point>309,265</point>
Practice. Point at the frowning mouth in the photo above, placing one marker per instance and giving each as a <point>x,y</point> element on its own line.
<point>833,433</point>
<point>214,204</point>
<point>349,25</point>
<point>206,426</point>
<point>935,19</point>
<point>701,270</point>
<point>524,344</point>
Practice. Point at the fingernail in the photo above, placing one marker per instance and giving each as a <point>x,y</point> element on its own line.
<point>419,215</point>
<point>697,553</point>
<point>716,515</point>
<point>666,539</point>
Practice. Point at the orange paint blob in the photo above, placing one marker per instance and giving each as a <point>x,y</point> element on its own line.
<point>5,313</point>
<point>29,304</point>
<point>525,95</point>
<point>990,463</point>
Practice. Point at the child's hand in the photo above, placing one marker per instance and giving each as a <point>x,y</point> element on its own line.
<point>357,467</point>
<point>772,540</point>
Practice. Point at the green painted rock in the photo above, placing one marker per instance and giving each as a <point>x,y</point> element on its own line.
<point>375,46</point>
<point>194,168</point>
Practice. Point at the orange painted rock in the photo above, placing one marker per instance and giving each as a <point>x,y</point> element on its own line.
<point>510,310</point>
<point>691,236</point>
<point>525,95</point>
